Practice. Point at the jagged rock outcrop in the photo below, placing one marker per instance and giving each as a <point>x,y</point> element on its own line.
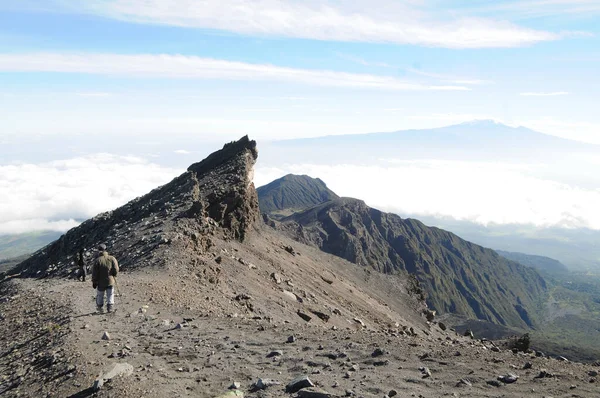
<point>214,196</point>
<point>458,276</point>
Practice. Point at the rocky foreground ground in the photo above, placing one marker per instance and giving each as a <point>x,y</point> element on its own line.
<point>167,340</point>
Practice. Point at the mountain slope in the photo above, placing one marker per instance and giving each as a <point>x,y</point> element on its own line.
<point>459,277</point>
<point>292,193</point>
<point>541,263</point>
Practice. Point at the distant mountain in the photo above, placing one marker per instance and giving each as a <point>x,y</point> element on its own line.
<point>478,140</point>
<point>459,277</point>
<point>15,245</point>
<point>539,262</point>
<point>292,193</point>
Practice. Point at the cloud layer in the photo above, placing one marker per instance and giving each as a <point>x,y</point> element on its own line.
<point>381,21</point>
<point>191,67</point>
<point>57,195</point>
<point>544,94</point>
<point>479,192</point>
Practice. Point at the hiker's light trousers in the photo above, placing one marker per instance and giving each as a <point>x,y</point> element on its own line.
<point>110,296</point>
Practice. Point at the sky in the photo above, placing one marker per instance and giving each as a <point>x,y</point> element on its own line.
<point>96,92</point>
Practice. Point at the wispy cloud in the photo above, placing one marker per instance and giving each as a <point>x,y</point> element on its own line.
<point>382,21</point>
<point>544,94</point>
<point>449,78</point>
<point>91,94</point>
<point>191,67</point>
<point>537,8</point>
<point>362,61</point>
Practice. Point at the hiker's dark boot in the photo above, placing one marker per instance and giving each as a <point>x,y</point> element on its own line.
<point>100,309</point>
<point>109,308</point>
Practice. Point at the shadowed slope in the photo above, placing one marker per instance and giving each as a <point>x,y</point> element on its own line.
<point>459,276</point>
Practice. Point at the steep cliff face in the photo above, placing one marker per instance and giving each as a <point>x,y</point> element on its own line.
<point>459,277</point>
<point>213,197</point>
<point>225,191</point>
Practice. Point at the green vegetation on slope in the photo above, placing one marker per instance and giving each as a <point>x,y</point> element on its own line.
<point>572,324</point>
<point>15,245</point>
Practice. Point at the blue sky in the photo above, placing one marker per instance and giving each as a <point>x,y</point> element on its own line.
<point>223,68</point>
<point>101,89</point>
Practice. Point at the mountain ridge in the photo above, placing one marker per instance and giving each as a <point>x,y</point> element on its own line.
<point>459,276</point>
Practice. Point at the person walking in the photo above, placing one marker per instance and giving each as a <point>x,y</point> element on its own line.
<point>81,266</point>
<point>104,272</point>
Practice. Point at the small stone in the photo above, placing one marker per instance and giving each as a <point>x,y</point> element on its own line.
<point>291,339</point>
<point>275,276</point>
<point>235,385</point>
<point>304,316</point>
<point>298,384</point>
<point>392,393</point>
<point>232,393</point>
<point>508,378</point>
<point>313,393</point>
<point>179,326</point>
<point>377,353</point>
<point>276,353</point>
<point>592,373</point>
<point>527,365</point>
<point>442,326</point>
<point>263,384</point>
<point>105,336</point>
<point>464,383</point>
<point>425,371</point>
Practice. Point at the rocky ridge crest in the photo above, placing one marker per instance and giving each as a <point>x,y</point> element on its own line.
<point>213,197</point>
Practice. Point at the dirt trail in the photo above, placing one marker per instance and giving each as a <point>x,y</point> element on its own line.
<point>208,354</point>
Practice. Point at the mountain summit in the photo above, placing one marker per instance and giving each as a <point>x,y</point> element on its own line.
<point>292,193</point>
